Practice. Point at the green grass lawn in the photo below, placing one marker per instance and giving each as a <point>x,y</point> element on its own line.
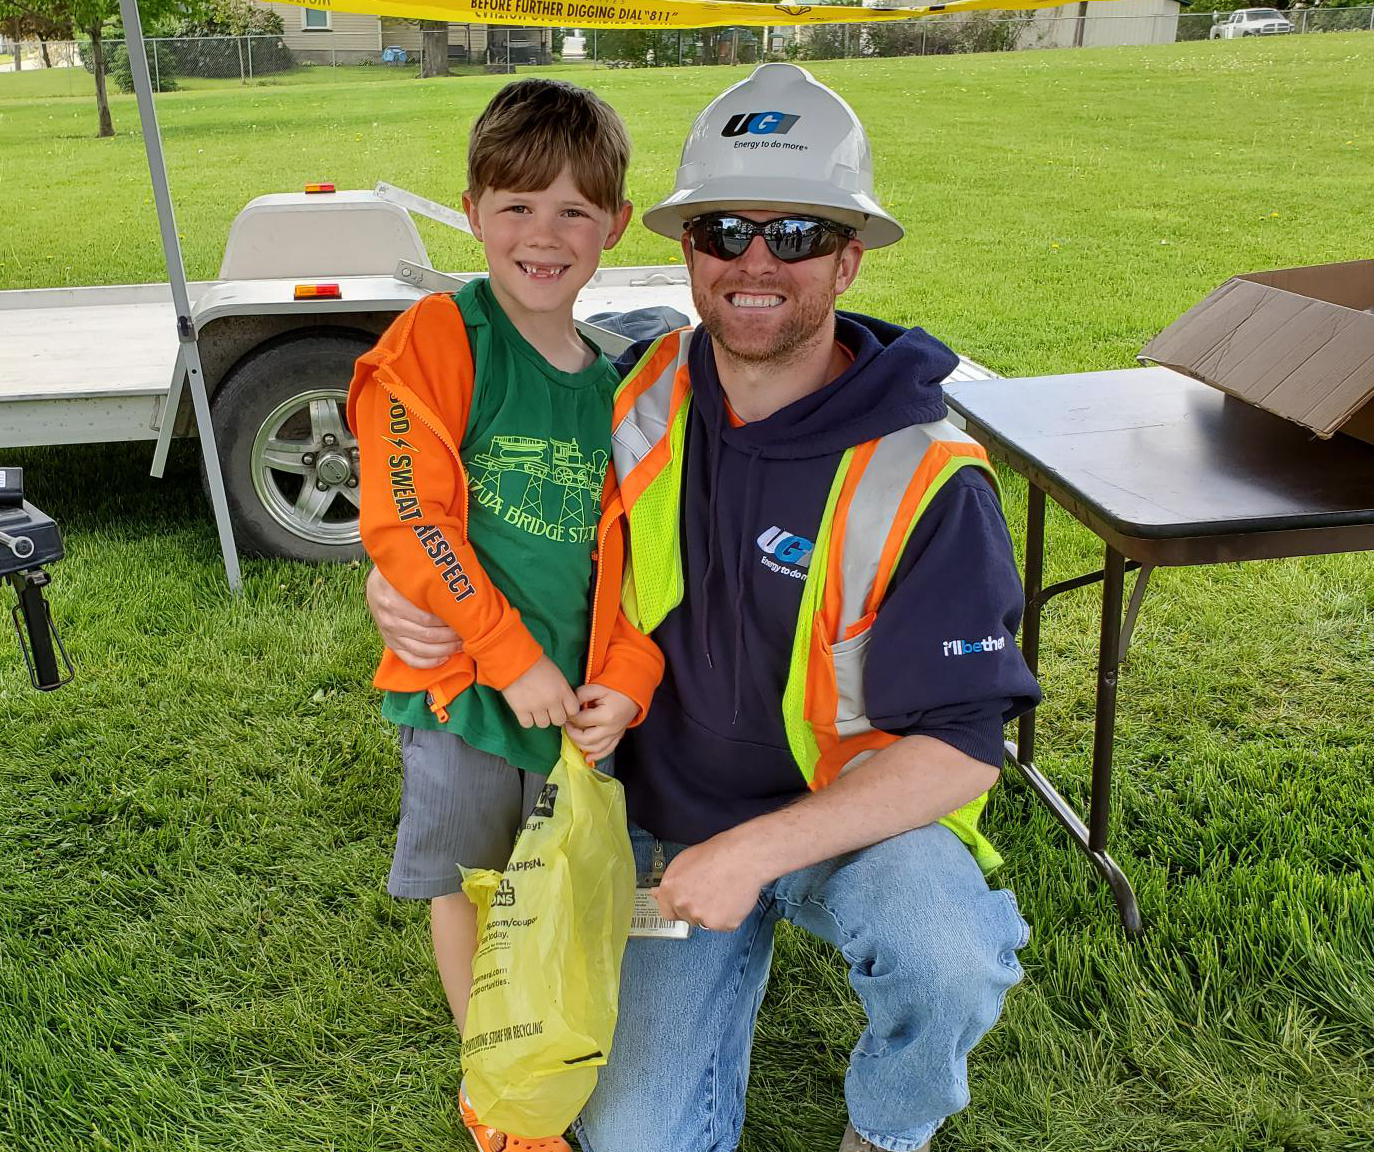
<point>196,949</point>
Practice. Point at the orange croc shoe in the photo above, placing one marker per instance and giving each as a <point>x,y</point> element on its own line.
<point>490,1139</point>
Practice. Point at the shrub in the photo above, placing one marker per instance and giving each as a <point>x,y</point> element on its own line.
<point>162,70</point>
<point>207,44</point>
<point>229,18</point>
<point>994,32</point>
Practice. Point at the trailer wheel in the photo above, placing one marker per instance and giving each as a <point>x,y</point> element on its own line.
<point>290,462</point>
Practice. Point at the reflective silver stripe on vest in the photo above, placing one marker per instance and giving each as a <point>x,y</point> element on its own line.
<point>872,511</point>
<point>647,421</point>
<point>874,507</point>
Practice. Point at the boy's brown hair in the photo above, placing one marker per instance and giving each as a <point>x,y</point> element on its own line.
<point>533,128</point>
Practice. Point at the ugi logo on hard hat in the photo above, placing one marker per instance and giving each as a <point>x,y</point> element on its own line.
<point>759,123</point>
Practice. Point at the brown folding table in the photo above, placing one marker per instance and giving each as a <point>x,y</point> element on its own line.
<point>1168,472</point>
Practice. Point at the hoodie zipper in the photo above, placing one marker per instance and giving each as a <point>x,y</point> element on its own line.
<point>602,530</point>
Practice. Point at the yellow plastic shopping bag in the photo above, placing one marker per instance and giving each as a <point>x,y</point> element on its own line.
<point>551,932</point>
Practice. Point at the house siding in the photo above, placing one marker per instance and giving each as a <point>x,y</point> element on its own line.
<point>1107,25</point>
<point>347,32</point>
<point>352,38</point>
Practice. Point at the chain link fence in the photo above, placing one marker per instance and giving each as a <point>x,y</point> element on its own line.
<point>945,35</point>
<point>68,67</point>
<point>175,63</point>
<point>170,61</point>
<point>212,61</point>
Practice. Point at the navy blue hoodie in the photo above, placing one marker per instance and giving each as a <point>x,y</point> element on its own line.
<point>712,752</point>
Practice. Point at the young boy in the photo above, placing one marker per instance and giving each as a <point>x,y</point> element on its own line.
<point>484,423</point>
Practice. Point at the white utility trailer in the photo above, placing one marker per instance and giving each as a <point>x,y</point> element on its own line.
<point>308,282</point>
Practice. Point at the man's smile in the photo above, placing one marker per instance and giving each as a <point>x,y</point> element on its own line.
<point>754,299</point>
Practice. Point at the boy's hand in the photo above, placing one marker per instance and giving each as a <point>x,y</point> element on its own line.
<point>541,698</point>
<point>605,715</point>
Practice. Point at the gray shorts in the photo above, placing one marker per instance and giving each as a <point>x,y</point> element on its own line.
<point>459,805</point>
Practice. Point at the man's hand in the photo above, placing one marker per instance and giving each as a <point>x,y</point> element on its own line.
<point>541,698</point>
<point>713,884</point>
<point>604,716</point>
<point>421,639</point>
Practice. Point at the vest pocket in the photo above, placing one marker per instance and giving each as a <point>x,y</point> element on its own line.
<point>849,658</point>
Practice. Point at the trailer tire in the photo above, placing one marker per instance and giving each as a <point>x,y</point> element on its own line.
<point>289,460</point>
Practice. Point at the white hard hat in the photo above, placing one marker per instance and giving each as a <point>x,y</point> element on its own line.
<point>778,141</point>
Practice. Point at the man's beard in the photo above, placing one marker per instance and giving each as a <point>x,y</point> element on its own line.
<point>810,315</point>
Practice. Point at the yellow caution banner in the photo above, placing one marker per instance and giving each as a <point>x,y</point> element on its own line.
<point>656,14</point>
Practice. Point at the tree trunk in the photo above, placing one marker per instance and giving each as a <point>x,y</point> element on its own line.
<point>47,60</point>
<point>102,101</point>
<point>433,48</point>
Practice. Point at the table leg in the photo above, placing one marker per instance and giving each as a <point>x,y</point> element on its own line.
<point>1133,608</point>
<point>1104,732</point>
<point>1030,625</point>
<point>1108,665</point>
<point>1092,840</point>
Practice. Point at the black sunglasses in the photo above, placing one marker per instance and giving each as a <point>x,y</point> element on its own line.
<point>789,238</point>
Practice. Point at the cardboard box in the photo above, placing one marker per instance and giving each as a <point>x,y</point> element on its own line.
<point>1298,342</point>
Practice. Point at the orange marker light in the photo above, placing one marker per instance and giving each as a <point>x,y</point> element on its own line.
<point>319,188</point>
<point>318,292</point>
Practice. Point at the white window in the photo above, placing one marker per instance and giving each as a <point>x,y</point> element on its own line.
<point>314,19</point>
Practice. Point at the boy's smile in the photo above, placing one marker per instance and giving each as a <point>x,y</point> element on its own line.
<point>542,271</point>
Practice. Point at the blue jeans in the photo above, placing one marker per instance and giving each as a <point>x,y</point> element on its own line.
<point>931,953</point>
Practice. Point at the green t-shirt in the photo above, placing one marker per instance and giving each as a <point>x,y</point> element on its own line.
<point>535,450</point>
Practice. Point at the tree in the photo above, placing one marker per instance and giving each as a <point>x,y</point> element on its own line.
<point>47,30</point>
<point>94,19</point>
<point>20,22</point>
<point>433,48</point>
<point>12,25</point>
<point>91,16</point>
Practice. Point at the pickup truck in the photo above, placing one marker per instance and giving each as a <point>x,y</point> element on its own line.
<point>308,282</point>
<point>1249,22</point>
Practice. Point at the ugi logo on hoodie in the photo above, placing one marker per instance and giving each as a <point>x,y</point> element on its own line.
<point>782,548</point>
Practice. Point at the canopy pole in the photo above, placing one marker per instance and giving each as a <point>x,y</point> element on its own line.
<point>176,275</point>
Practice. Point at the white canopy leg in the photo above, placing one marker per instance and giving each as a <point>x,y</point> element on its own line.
<point>189,356</point>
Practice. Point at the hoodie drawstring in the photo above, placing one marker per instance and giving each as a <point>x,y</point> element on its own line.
<point>746,549</point>
<point>715,453</point>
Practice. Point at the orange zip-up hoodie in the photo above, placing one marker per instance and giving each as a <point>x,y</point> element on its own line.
<point>408,405</point>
